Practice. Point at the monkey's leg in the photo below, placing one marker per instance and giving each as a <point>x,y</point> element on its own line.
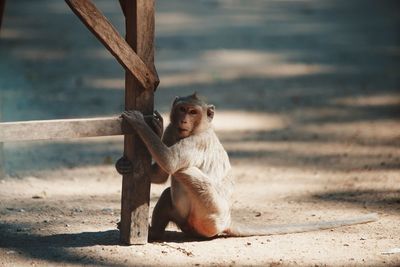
<point>200,186</point>
<point>210,211</point>
<point>162,215</point>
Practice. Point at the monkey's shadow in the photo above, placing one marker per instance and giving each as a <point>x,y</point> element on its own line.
<point>180,237</point>
<point>24,241</point>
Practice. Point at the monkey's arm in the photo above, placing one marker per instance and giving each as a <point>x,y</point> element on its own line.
<point>162,154</point>
<point>157,175</point>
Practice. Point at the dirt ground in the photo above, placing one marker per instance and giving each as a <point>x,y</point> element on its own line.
<point>308,103</point>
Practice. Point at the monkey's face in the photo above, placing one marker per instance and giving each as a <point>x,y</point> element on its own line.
<point>186,118</point>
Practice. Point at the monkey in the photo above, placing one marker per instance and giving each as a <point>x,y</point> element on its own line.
<point>199,198</point>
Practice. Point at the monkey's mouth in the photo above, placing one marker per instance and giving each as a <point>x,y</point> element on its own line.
<point>183,131</point>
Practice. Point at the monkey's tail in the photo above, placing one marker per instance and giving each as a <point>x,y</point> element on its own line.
<point>237,229</point>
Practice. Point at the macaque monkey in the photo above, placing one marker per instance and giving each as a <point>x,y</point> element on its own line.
<point>199,199</point>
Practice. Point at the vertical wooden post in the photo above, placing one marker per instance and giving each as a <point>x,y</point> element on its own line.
<point>139,19</point>
<point>2,7</point>
<point>2,165</point>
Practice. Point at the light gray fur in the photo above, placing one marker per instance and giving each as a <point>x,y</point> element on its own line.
<point>199,199</point>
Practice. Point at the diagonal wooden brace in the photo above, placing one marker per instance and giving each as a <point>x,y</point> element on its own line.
<point>98,24</point>
<point>2,7</point>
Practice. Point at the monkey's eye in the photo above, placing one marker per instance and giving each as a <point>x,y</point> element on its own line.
<point>193,112</point>
<point>182,109</point>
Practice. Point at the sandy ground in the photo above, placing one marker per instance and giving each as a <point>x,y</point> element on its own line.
<point>307,97</point>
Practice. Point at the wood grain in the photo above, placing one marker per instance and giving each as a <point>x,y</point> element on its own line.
<point>61,129</point>
<point>98,24</point>
<point>139,19</point>
<point>2,7</point>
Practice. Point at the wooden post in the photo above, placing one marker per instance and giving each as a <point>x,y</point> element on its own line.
<point>2,165</point>
<point>2,7</point>
<point>139,19</point>
<point>98,24</point>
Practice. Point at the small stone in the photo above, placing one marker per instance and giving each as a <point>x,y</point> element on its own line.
<point>67,225</point>
<point>42,195</point>
<point>108,210</point>
<point>248,244</point>
<point>346,245</point>
<point>23,229</point>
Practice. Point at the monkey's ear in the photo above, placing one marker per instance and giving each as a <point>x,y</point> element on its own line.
<point>176,99</point>
<point>210,112</point>
<point>195,96</point>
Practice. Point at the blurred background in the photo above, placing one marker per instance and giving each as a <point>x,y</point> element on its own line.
<point>306,71</point>
<point>307,97</point>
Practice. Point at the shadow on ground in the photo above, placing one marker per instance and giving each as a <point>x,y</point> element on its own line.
<point>387,200</point>
<point>53,248</point>
<point>56,248</point>
<point>312,63</point>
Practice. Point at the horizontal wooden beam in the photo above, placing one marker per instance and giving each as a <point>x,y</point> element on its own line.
<point>62,129</point>
<point>98,24</point>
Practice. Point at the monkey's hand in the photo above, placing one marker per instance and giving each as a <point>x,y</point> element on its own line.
<point>124,166</point>
<point>133,117</point>
<point>157,124</point>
